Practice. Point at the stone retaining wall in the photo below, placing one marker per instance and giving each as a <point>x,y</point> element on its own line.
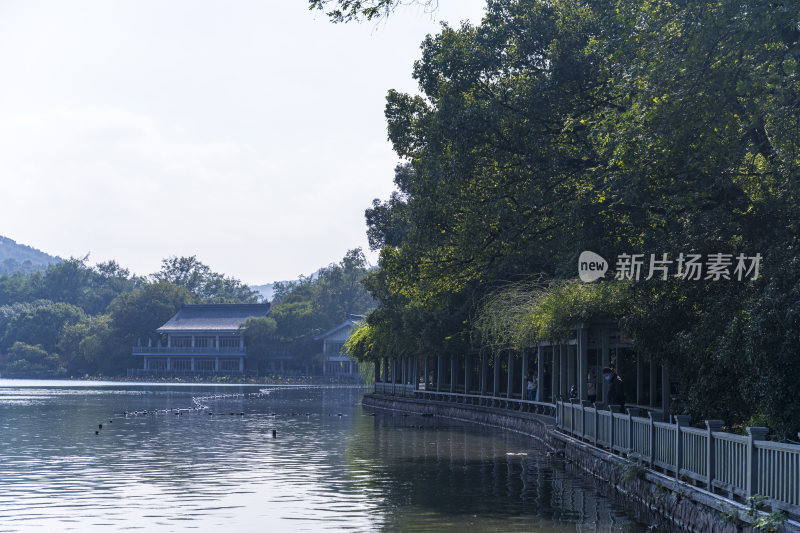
<point>687,507</point>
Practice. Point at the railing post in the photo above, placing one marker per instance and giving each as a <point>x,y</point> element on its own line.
<point>651,414</point>
<point>632,411</point>
<point>596,423</point>
<point>584,405</point>
<point>753,434</point>
<point>611,427</point>
<point>680,420</point>
<point>711,427</point>
<point>572,403</point>
<point>559,414</point>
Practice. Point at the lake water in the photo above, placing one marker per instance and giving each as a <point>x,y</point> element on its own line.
<point>333,466</point>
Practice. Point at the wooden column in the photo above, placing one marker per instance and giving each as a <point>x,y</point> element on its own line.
<point>639,380</point>
<point>583,360</point>
<point>510,381</point>
<point>554,378</point>
<point>539,374</point>
<point>439,369</point>
<point>653,383</point>
<point>665,397</point>
<point>484,373</point>
<point>605,349</point>
<point>467,373</point>
<point>565,368</point>
<point>496,380</point>
<point>453,373</point>
<point>523,378</point>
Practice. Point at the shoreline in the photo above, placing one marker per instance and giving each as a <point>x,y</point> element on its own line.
<point>113,380</point>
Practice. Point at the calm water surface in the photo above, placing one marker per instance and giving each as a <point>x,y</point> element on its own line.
<point>333,466</point>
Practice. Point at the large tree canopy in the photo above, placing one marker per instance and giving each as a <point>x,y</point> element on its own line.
<point>619,126</point>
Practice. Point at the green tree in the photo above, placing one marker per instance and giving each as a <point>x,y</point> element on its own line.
<point>26,361</point>
<point>200,280</point>
<point>260,335</point>
<point>134,317</point>
<point>140,313</point>
<point>351,10</point>
<point>42,325</point>
<point>620,127</point>
<point>88,347</point>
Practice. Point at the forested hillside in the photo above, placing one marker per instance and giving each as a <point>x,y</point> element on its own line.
<point>16,257</point>
<point>74,319</point>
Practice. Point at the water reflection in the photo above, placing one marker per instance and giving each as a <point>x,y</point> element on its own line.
<point>203,458</point>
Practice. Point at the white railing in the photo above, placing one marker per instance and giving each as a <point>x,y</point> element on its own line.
<point>738,465</point>
<point>187,350</point>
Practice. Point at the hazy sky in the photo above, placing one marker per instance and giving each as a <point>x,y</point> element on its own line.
<point>249,133</point>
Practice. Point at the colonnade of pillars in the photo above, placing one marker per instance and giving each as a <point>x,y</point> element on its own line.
<point>557,368</point>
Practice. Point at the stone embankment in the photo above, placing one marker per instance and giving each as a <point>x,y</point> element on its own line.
<point>687,507</point>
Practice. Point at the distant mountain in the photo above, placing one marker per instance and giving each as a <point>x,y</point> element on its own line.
<point>21,258</point>
<point>267,291</point>
<point>264,290</point>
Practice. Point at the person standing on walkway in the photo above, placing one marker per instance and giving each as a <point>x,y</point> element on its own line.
<point>531,386</point>
<point>616,389</point>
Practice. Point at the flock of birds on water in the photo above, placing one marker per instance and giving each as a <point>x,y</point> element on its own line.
<point>200,404</point>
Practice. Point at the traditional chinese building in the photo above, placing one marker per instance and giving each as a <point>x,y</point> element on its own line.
<point>335,361</point>
<point>201,339</point>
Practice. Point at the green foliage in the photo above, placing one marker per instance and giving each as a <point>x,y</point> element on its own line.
<point>140,313</point>
<point>89,347</point>
<point>71,281</point>
<point>631,468</point>
<point>312,305</point>
<point>24,360</point>
<point>207,286</point>
<point>763,521</point>
<point>366,371</point>
<point>772,521</point>
<point>41,325</point>
<point>260,334</point>
<point>92,315</point>
<point>354,10</point>
<point>525,313</point>
<point>620,127</point>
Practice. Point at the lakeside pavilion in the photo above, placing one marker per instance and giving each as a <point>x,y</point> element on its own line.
<point>202,339</point>
<point>335,361</point>
<point>558,365</point>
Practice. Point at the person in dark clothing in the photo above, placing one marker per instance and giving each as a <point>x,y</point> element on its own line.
<point>616,390</point>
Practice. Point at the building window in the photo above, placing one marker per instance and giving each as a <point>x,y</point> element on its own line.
<point>204,342</point>
<point>229,365</point>
<point>181,342</point>
<point>334,348</point>
<point>204,364</point>
<point>229,342</point>
<point>181,364</point>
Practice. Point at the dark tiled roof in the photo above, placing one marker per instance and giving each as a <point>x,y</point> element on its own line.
<point>352,320</point>
<point>213,317</point>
